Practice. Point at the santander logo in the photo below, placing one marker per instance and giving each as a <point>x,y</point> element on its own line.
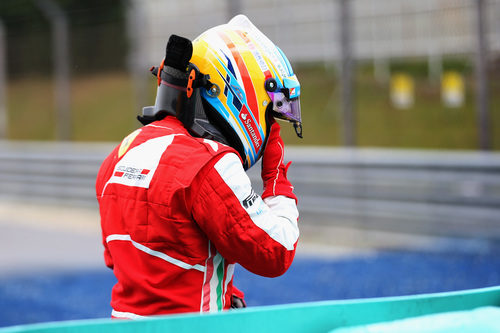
<point>251,127</point>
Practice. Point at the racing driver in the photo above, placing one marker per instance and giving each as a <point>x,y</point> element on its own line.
<point>177,209</point>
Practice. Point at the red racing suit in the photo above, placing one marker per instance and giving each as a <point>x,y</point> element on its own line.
<point>177,212</point>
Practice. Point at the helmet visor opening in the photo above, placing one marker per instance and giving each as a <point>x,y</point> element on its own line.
<point>285,108</point>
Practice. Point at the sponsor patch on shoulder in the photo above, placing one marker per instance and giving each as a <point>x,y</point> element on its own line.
<point>139,164</point>
<point>249,201</point>
<point>127,142</point>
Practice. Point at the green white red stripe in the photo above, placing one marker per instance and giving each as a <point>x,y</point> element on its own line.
<point>214,285</point>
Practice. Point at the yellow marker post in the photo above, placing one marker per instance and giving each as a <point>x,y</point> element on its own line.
<point>452,89</point>
<point>402,90</point>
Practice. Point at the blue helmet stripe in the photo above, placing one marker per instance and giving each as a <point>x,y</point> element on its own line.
<point>287,63</point>
<point>234,104</point>
<point>229,65</point>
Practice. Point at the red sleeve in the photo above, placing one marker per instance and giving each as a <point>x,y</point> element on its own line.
<point>240,224</point>
<point>108,260</point>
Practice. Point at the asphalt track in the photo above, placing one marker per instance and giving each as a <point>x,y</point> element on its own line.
<point>51,267</point>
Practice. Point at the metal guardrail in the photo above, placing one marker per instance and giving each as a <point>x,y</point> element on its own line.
<point>50,172</point>
<point>441,193</point>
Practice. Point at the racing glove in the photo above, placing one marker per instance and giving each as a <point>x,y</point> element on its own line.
<point>238,299</point>
<point>273,170</point>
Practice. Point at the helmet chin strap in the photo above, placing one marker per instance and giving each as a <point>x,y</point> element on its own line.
<point>298,128</point>
<point>202,127</point>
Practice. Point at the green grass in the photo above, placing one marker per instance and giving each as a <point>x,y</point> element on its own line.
<point>427,124</point>
<point>30,110</point>
<point>104,109</point>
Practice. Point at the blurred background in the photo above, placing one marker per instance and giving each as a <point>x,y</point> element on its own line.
<point>398,174</point>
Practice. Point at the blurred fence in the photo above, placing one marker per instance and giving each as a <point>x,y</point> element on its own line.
<point>104,35</point>
<point>310,30</point>
<point>440,193</point>
<point>340,32</point>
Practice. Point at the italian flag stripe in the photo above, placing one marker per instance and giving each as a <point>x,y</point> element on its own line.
<point>213,289</point>
<point>205,295</point>
<point>220,279</point>
<point>215,282</point>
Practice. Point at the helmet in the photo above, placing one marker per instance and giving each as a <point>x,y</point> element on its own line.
<point>239,81</point>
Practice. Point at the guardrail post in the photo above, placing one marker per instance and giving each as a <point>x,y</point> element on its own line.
<point>3,83</point>
<point>60,56</point>
<point>233,8</point>
<point>346,77</point>
<point>136,20</point>
<point>482,96</point>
